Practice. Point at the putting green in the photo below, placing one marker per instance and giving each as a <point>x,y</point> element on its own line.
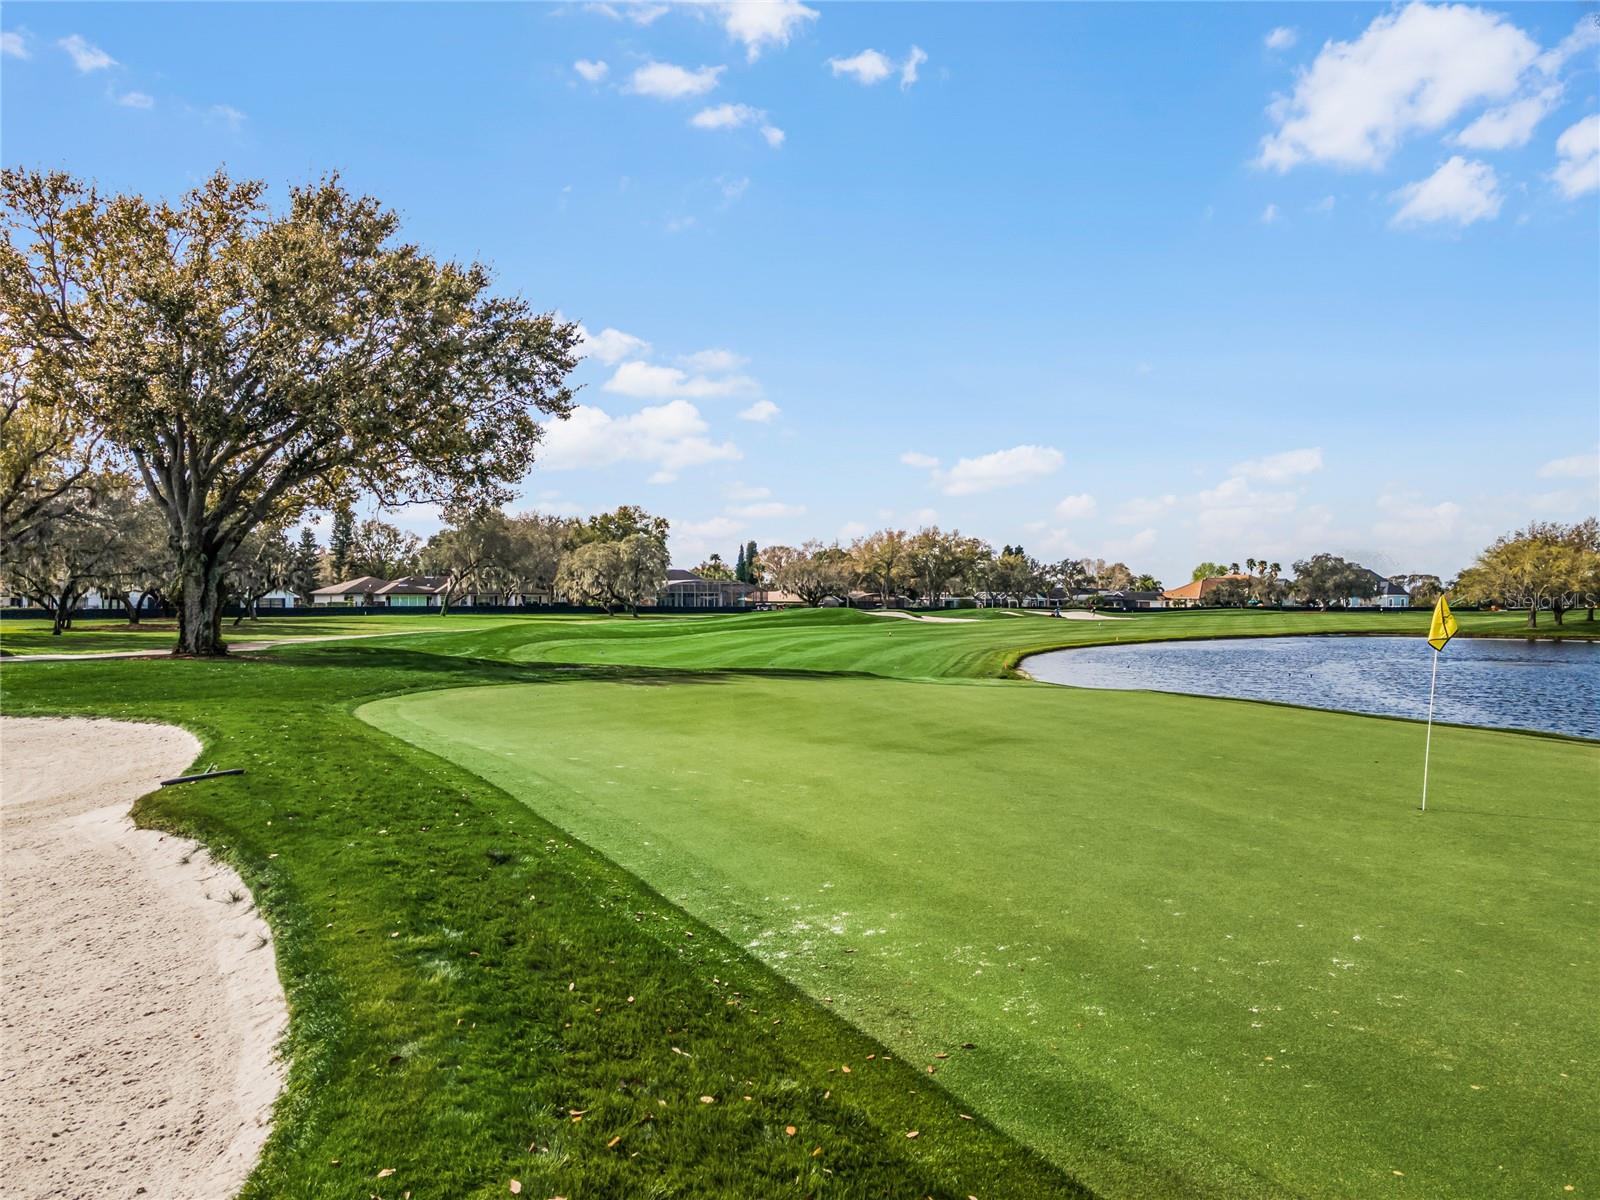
<point>1198,947</point>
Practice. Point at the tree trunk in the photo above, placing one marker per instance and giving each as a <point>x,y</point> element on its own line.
<point>133,608</point>
<point>200,605</point>
<point>1533,614</point>
<point>1556,610</point>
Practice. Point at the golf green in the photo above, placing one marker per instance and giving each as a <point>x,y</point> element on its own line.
<point>1180,946</point>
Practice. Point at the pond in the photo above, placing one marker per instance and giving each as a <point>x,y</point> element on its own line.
<point>1550,685</point>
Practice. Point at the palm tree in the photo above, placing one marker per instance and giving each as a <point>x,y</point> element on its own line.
<point>1233,568</point>
<point>1251,563</point>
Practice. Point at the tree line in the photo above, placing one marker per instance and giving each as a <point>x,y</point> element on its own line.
<point>924,565</point>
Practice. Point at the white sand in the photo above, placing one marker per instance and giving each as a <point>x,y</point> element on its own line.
<point>1070,614</point>
<point>895,612</point>
<point>140,1008</point>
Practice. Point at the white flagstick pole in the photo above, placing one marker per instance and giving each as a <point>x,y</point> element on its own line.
<point>1428,746</point>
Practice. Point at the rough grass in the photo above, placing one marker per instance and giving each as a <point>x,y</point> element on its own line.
<point>477,998</point>
<point>30,636</point>
<point>446,948</point>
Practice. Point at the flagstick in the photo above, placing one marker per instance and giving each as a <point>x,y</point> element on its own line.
<point>1428,746</point>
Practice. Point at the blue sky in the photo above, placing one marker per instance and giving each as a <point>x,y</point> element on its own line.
<point>1160,283</point>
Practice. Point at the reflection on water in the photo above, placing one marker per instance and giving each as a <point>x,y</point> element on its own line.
<point>1551,686</point>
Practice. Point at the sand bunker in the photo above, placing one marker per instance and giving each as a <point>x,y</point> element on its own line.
<point>895,612</point>
<point>141,1003</point>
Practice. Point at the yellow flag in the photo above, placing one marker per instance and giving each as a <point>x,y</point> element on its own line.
<point>1444,625</point>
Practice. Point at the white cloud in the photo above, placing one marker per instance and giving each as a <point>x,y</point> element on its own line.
<point>1128,547</point>
<point>12,45</point>
<point>693,540</point>
<point>665,81</point>
<point>743,491</point>
<point>1578,168</point>
<point>1584,36</point>
<point>1510,125</point>
<point>1281,38</point>
<point>1409,522</point>
<point>733,190</point>
<point>637,11</point>
<point>593,71</point>
<point>1002,469</point>
<point>1144,508</point>
<point>767,510</point>
<point>714,360</point>
<point>873,66</point>
<point>1412,70</point>
<point>725,116</point>
<point>735,116</point>
<point>867,68</point>
<point>1235,511</point>
<point>650,381</point>
<point>761,411</point>
<point>1579,466</point>
<point>611,346</point>
<point>922,461</point>
<point>1280,468</point>
<point>851,529</point>
<point>1325,205</point>
<point>1459,191</point>
<point>1270,215</point>
<point>86,57</point>
<point>759,24</point>
<point>1077,507</point>
<point>670,436</point>
<point>136,100</point>
<point>227,114</point>
<point>908,69</point>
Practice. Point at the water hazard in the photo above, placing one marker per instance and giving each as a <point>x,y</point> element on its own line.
<point>1550,686</point>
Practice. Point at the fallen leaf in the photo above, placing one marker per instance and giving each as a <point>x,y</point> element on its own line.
<point>613,1141</point>
<point>708,1099</point>
<point>385,1173</point>
<point>964,1116</point>
<point>941,1056</point>
<point>913,1133</point>
<point>817,1153</point>
<point>516,1187</point>
<point>790,1130</point>
<point>846,1070</point>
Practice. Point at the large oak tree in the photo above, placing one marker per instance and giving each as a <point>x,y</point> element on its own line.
<point>248,364</point>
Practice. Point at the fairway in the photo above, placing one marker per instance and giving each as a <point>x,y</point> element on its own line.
<point>1198,947</point>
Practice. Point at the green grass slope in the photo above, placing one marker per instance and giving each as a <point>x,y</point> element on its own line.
<point>459,965</point>
<point>1200,947</point>
<point>475,998</point>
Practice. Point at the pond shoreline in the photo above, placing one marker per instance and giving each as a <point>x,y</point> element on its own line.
<point>1496,686</point>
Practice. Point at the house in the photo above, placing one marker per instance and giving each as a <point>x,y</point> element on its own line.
<point>772,598</point>
<point>1194,594</point>
<point>414,591</point>
<point>361,590</point>
<point>1388,595</point>
<point>1126,600</point>
<point>685,589</point>
<point>278,598</point>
